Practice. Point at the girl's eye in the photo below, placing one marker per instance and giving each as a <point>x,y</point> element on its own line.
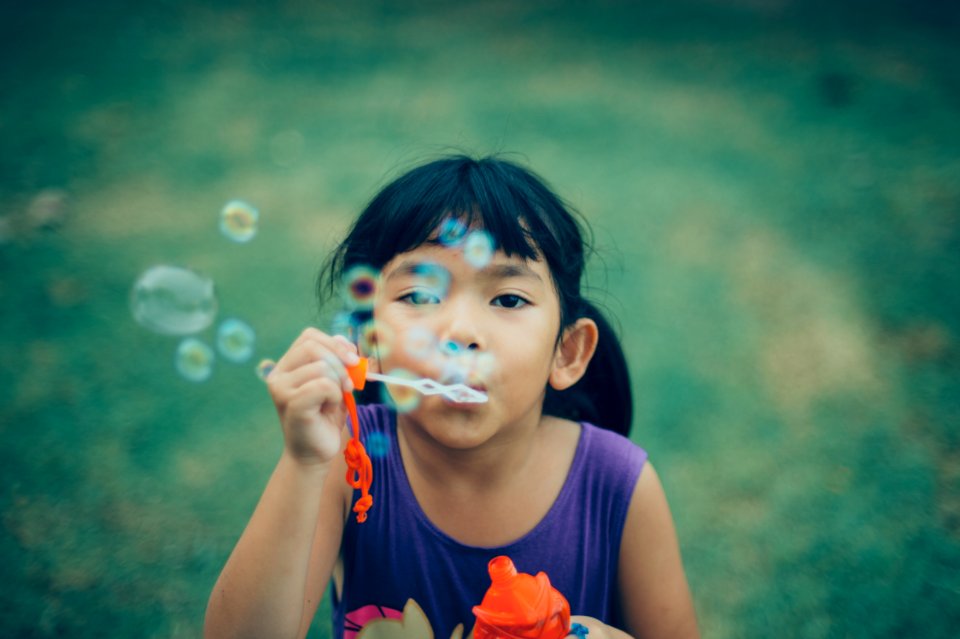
<point>419,298</point>
<point>509,301</point>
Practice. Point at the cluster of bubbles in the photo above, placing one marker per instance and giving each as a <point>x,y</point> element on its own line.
<point>177,301</point>
<point>449,361</point>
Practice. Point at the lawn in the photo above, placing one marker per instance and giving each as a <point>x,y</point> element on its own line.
<point>774,190</point>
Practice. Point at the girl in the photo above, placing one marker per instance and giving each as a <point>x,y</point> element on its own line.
<point>525,474</point>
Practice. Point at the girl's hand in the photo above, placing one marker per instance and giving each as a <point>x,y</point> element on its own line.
<point>307,387</point>
<point>598,629</point>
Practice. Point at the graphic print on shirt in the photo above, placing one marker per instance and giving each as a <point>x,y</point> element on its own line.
<point>377,622</point>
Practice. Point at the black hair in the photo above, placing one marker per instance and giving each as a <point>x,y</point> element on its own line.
<point>526,219</point>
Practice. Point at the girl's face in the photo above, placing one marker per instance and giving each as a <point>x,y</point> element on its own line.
<point>493,328</point>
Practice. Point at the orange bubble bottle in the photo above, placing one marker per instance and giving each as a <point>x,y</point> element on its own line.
<point>520,606</point>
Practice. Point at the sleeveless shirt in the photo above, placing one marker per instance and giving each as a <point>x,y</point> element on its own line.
<point>399,566</point>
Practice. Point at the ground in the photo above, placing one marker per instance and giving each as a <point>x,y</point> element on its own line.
<point>774,189</point>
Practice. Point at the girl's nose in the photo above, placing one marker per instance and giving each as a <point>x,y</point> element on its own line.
<point>461,326</point>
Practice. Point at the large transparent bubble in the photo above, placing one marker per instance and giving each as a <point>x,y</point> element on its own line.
<point>173,301</point>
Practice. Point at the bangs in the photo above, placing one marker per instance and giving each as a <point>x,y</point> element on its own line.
<point>412,211</point>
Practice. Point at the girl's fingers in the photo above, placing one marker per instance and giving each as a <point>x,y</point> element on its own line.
<point>314,345</point>
<point>316,392</point>
<point>327,367</point>
<point>350,346</point>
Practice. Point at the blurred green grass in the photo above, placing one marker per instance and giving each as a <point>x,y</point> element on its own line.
<point>775,192</point>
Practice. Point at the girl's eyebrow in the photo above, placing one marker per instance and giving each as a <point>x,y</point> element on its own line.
<point>503,271</point>
<point>413,267</point>
<point>494,271</point>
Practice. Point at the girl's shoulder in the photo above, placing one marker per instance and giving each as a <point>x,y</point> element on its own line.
<point>610,441</point>
<point>594,450</point>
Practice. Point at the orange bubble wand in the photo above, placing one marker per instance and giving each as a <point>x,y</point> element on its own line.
<point>359,467</point>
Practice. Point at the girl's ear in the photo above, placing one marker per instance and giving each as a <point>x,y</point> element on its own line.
<point>574,353</point>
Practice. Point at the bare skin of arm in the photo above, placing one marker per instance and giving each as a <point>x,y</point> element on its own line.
<point>269,586</point>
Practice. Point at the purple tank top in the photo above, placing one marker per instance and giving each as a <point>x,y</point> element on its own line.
<point>399,565</point>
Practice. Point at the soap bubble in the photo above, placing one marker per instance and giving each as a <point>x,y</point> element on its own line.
<point>344,323</point>
<point>478,249</point>
<point>264,368</point>
<point>194,360</point>
<point>173,300</point>
<point>402,398</point>
<point>451,348</point>
<point>482,368</point>
<point>452,231</point>
<point>378,445</point>
<point>238,221</point>
<point>432,277</point>
<point>375,339</point>
<point>420,343</point>
<point>360,283</point>
<point>235,340</point>
<point>452,371</point>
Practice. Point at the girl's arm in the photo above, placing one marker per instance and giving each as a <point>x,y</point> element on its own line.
<point>294,534</point>
<point>654,594</point>
<point>272,581</point>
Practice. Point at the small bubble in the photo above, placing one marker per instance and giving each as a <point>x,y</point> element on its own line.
<point>235,340</point>
<point>238,221</point>
<point>264,368</point>
<point>344,323</point>
<point>482,368</point>
<point>47,209</point>
<point>434,278</point>
<point>452,232</point>
<point>402,398</point>
<point>451,348</point>
<point>173,300</point>
<point>420,343</point>
<point>360,283</point>
<point>378,445</point>
<point>194,360</point>
<point>452,371</point>
<point>375,339</point>
<point>478,249</point>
